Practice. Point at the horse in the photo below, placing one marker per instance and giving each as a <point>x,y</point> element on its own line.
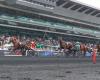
<point>17,45</point>
<point>83,49</point>
<point>98,48</point>
<point>67,47</point>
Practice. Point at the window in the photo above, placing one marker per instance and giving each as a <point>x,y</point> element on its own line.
<point>52,0</point>
<point>96,12</point>
<point>89,11</point>
<point>98,15</point>
<point>75,7</point>
<point>82,9</point>
<point>68,5</point>
<point>60,2</point>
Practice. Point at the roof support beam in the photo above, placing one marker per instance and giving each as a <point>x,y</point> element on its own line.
<point>93,11</point>
<point>69,5</point>
<point>61,2</point>
<point>86,10</point>
<point>97,14</point>
<point>72,6</point>
<point>90,11</point>
<point>75,7</point>
<point>80,8</point>
<point>64,3</point>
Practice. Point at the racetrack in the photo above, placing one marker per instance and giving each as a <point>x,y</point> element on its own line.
<point>44,60</point>
<point>32,68</point>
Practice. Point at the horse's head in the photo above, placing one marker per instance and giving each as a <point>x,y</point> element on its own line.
<point>83,47</point>
<point>69,45</point>
<point>15,42</point>
<point>28,45</point>
<point>13,39</point>
<point>62,44</point>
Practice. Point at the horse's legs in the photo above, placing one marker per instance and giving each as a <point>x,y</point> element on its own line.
<point>77,53</point>
<point>30,52</point>
<point>66,52</point>
<point>23,53</point>
<point>74,53</point>
<point>26,52</point>
<point>70,52</point>
<point>84,53</point>
<point>23,50</point>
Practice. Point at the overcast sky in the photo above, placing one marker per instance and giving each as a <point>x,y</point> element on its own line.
<point>93,3</point>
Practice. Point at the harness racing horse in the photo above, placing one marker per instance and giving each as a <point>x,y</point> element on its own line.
<point>17,45</point>
<point>98,48</point>
<point>67,47</point>
<point>83,49</point>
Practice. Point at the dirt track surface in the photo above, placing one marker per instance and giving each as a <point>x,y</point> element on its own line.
<point>57,71</point>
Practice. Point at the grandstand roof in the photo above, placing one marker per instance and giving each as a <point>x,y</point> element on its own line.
<point>70,9</point>
<point>79,6</point>
<point>91,3</point>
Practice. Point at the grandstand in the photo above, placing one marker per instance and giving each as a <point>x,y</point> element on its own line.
<point>57,18</point>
